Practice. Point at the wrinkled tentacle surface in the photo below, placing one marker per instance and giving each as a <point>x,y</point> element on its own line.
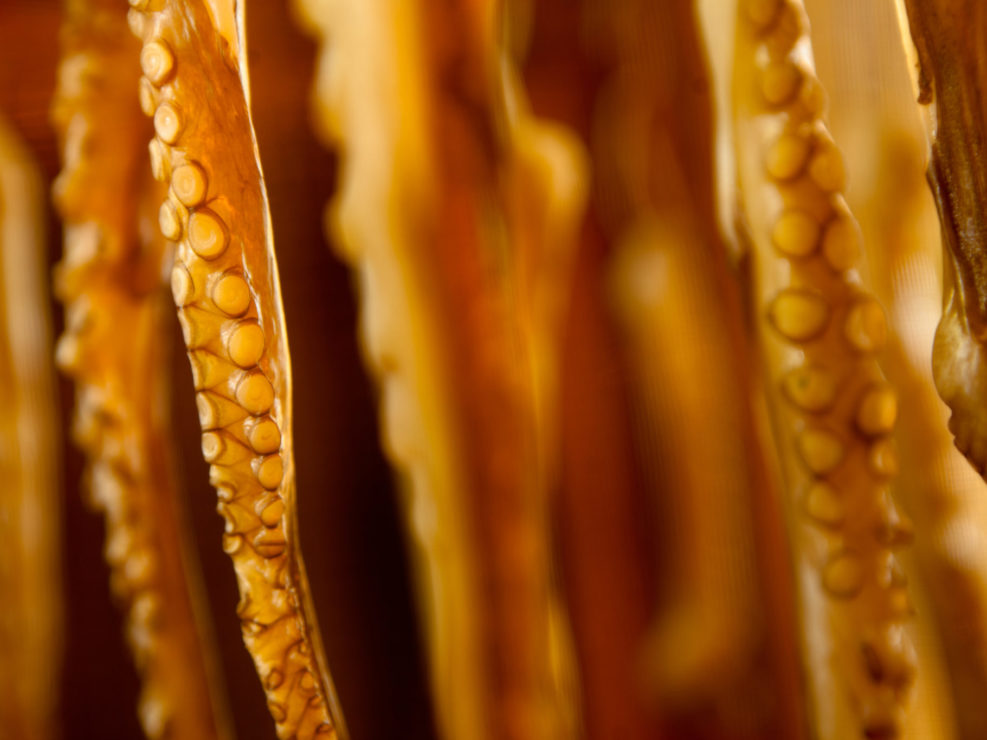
<point>30,575</point>
<point>951,39</point>
<point>885,143</point>
<point>225,285</point>
<point>449,272</point>
<point>834,411</point>
<point>115,349</point>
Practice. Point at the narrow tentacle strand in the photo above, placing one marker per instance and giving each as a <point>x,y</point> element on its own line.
<point>670,279</point>
<point>115,349</point>
<point>834,412</point>
<point>950,37</point>
<point>30,576</point>
<point>225,285</point>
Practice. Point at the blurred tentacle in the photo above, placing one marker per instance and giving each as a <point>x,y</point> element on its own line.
<point>30,511</point>
<point>654,160</point>
<point>116,347</point>
<point>225,285</point>
<point>454,210</point>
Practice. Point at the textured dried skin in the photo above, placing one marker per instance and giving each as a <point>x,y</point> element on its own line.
<point>935,485</point>
<point>225,284</point>
<point>833,410</point>
<point>951,37</point>
<point>30,576</point>
<point>115,349</point>
<point>457,304</point>
<point>885,139</point>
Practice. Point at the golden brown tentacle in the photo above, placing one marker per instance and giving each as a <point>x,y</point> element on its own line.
<point>653,158</point>
<point>885,139</point>
<point>375,223</point>
<point>115,348</point>
<point>951,39</point>
<point>706,636</point>
<point>634,84</point>
<point>225,284</point>
<point>834,412</point>
<point>460,275</point>
<point>30,575</point>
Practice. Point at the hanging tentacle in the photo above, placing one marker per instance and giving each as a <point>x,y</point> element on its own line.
<point>883,136</point>
<point>670,280</point>
<point>115,347</point>
<point>951,37</point>
<point>30,511</point>
<point>834,412</point>
<point>225,285</point>
<point>459,277</point>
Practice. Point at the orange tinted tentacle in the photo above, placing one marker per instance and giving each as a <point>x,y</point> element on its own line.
<point>225,285</point>
<point>116,347</point>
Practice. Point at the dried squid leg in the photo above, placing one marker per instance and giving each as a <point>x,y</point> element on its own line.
<point>951,37</point>
<point>833,411</point>
<point>412,93</point>
<point>885,139</point>
<point>544,195</point>
<point>683,344</point>
<point>30,576</point>
<point>627,77</point>
<point>115,348</point>
<point>706,653</point>
<point>225,284</point>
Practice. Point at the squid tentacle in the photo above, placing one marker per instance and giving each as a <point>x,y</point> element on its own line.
<point>456,317</point>
<point>950,41</point>
<point>30,577</point>
<point>225,285</point>
<point>834,411</point>
<point>110,280</point>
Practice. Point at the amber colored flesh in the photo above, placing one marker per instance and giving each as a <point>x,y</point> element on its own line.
<point>108,280</point>
<point>224,283</point>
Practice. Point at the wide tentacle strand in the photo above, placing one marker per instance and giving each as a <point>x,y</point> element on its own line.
<point>367,64</point>
<point>111,281</point>
<point>834,413</point>
<point>30,575</point>
<point>225,284</point>
<point>458,284</point>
